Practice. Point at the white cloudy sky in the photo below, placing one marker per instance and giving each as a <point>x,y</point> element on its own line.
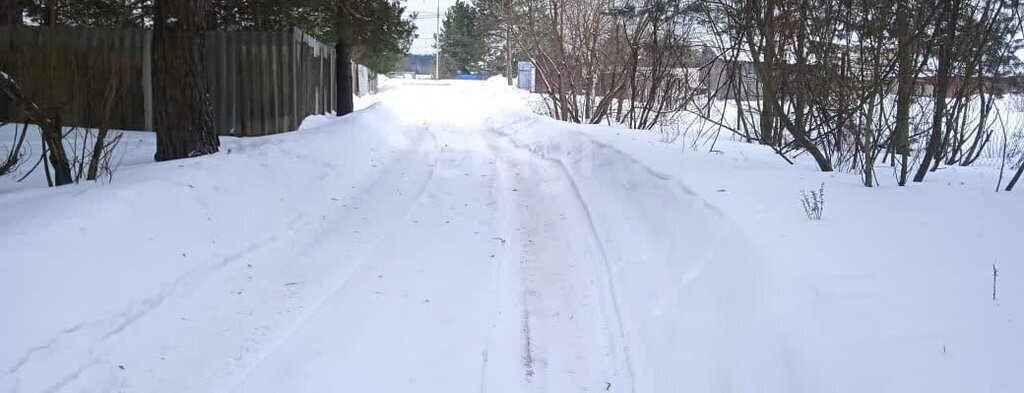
<point>426,23</point>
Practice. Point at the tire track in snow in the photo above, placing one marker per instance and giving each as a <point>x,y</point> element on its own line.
<point>420,316</point>
<point>668,297</point>
<point>598,244</point>
<point>569,343</point>
<point>110,326</point>
<point>507,359</point>
<point>415,164</point>
<point>369,197</point>
<point>608,285</point>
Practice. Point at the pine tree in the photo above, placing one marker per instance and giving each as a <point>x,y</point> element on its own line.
<point>462,43</point>
<point>92,13</point>
<point>374,33</point>
<point>495,23</point>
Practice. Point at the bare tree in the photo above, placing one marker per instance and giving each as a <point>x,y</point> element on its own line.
<point>763,38</point>
<point>836,80</point>
<point>906,72</point>
<point>1016,176</point>
<point>14,155</point>
<point>608,60</point>
<point>946,34</point>
<point>50,130</point>
<point>103,145</point>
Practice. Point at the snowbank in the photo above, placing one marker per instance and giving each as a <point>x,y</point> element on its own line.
<point>694,292</point>
<point>81,264</point>
<point>890,291</point>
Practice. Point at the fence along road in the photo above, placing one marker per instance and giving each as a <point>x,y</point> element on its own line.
<point>260,83</point>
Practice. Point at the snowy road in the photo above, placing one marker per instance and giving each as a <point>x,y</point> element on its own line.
<point>446,239</point>
<point>441,240</point>
<point>492,280</point>
<point>496,278</point>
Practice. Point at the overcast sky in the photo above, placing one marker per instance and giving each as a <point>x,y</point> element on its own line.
<point>426,23</point>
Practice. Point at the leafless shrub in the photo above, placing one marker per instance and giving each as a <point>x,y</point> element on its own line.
<point>1016,102</point>
<point>102,148</point>
<point>50,130</point>
<point>995,277</point>
<point>92,153</point>
<point>83,153</point>
<point>608,61</point>
<point>14,153</point>
<point>813,202</point>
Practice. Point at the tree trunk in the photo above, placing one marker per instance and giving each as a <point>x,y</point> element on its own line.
<point>905,84</point>
<point>49,126</point>
<point>10,13</point>
<point>182,115</point>
<point>50,18</point>
<point>346,103</point>
<point>507,10</point>
<point>942,75</point>
<point>767,120</point>
<point>508,54</point>
<point>873,124</point>
<point>109,100</point>
<point>1016,177</point>
<point>804,141</point>
<point>800,94</point>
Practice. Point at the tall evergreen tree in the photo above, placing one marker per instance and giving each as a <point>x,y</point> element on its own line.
<point>462,43</point>
<point>252,15</point>
<point>92,13</point>
<point>375,33</point>
<point>495,23</point>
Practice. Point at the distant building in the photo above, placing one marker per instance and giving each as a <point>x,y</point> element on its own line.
<point>959,86</point>
<point>402,75</point>
<point>526,76</point>
<point>726,80</point>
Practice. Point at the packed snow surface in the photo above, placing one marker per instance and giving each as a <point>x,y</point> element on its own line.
<point>446,239</point>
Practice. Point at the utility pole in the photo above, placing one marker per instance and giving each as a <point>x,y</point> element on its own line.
<point>507,5</point>
<point>437,44</point>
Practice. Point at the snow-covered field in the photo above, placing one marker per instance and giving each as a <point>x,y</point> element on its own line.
<point>446,239</point>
